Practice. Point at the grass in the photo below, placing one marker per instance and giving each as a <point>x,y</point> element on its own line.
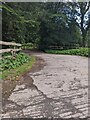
<point>14,74</point>
<point>81,52</point>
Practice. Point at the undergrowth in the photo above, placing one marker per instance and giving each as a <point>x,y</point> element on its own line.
<point>80,51</point>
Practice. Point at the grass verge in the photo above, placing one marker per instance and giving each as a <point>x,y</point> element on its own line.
<point>81,52</point>
<point>14,74</point>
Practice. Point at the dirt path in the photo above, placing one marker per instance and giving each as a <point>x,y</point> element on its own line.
<point>60,89</point>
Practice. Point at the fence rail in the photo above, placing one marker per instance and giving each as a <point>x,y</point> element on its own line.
<point>10,49</point>
<point>9,43</point>
<point>56,47</point>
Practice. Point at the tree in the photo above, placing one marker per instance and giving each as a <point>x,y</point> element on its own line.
<point>84,25</point>
<point>81,12</point>
<point>46,24</point>
<point>58,26</point>
<point>20,23</point>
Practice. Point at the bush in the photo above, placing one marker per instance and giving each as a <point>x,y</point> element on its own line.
<point>10,62</point>
<point>29,46</point>
<point>80,51</point>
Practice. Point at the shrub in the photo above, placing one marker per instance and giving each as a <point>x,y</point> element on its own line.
<point>80,51</point>
<point>9,62</point>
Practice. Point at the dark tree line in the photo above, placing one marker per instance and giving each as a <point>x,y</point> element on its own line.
<point>47,24</point>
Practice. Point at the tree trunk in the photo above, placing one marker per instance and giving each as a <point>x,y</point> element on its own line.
<point>84,33</point>
<point>83,42</point>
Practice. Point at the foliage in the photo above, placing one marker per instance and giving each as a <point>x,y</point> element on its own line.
<point>80,51</point>
<point>6,54</point>
<point>9,62</point>
<point>15,74</point>
<point>18,23</point>
<point>29,46</point>
<point>46,24</point>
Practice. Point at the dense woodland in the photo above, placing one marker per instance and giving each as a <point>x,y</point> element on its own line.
<point>47,24</point>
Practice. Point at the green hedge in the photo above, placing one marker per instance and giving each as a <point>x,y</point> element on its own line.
<point>80,51</point>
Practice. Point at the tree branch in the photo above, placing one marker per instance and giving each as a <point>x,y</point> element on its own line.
<point>87,7</point>
<point>88,25</point>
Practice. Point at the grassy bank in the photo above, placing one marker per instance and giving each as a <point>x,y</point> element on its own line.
<point>81,52</point>
<point>23,63</point>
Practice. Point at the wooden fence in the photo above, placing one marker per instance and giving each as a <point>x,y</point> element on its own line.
<point>55,47</point>
<point>10,49</point>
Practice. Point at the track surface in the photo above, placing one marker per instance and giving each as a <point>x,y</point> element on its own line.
<point>59,90</point>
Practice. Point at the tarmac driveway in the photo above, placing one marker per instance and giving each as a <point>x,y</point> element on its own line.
<point>59,90</point>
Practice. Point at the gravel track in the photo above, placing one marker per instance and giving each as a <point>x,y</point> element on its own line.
<point>59,90</point>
